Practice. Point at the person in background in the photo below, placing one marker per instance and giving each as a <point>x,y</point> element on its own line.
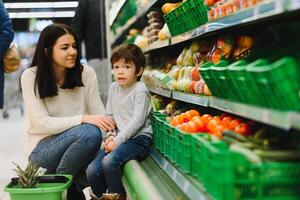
<point>89,24</point>
<point>6,37</point>
<point>129,105</point>
<point>63,109</point>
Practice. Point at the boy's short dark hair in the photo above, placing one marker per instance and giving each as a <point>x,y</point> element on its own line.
<point>129,52</point>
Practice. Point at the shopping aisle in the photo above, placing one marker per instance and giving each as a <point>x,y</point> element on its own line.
<point>11,148</point>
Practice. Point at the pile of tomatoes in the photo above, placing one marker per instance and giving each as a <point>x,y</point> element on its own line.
<point>192,121</point>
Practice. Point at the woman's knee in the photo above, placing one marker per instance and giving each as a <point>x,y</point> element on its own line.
<point>92,134</point>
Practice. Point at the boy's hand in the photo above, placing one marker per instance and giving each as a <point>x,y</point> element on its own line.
<point>110,146</point>
<point>109,139</point>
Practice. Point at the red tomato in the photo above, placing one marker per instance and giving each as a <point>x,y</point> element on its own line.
<point>206,118</point>
<point>226,120</point>
<point>183,127</point>
<point>243,129</point>
<point>234,123</point>
<point>175,121</point>
<point>192,127</point>
<point>199,123</point>
<point>212,124</point>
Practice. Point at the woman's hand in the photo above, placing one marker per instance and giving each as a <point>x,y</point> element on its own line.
<point>105,123</point>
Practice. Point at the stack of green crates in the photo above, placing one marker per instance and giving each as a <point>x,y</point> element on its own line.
<point>263,83</point>
<point>229,175</point>
<point>189,15</point>
<point>157,121</point>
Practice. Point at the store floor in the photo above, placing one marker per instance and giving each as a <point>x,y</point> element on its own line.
<point>11,148</point>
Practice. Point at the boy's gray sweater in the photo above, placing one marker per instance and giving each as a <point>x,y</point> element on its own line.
<point>130,108</point>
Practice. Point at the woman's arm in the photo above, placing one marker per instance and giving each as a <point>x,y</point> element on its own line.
<point>38,114</point>
<point>95,107</point>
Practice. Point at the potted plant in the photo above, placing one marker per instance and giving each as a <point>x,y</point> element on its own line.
<point>31,185</point>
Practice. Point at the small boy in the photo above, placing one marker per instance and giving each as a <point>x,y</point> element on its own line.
<point>129,105</point>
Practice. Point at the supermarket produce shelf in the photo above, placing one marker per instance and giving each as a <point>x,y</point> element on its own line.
<point>161,91</point>
<point>192,188</point>
<point>146,180</point>
<point>281,119</point>
<point>132,21</point>
<point>252,15</point>
<point>191,98</point>
<point>276,118</point>
<point>156,45</point>
<point>113,16</point>
<point>295,118</point>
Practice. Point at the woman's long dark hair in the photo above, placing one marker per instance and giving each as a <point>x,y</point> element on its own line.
<point>45,80</point>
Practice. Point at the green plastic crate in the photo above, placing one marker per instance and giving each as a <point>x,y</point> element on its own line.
<point>157,119</point>
<point>198,144</point>
<point>229,175</point>
<point>191,14</point>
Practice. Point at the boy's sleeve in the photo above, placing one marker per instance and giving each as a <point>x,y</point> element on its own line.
<point>108,110</point>
<point>142,108</point>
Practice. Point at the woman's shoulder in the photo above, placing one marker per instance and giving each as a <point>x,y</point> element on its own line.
<point>29,73</point>
<point>88,71</point>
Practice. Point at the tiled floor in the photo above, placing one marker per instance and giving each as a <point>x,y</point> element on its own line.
<point>11,147</point>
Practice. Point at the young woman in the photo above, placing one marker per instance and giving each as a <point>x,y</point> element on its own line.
<point>63,108</point>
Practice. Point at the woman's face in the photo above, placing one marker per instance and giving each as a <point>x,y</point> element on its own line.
<point>64,52</point>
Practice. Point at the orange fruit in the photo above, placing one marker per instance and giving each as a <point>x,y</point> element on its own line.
<point>243,129</point>
<point>234,123</point>
<point>206,118</point>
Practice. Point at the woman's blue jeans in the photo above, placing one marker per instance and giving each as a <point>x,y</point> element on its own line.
<point>68,152</point>
<point>105,172</point>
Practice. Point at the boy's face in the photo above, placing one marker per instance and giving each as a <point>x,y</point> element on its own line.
<point>125,72</point>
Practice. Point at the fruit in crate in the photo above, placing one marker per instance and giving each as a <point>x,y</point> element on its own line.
<point>192,87</point>
<point>221,50</point>
<point>245,45</point>
<point>210,2</point>
<point>169,7</point>
<point>164,33</point>
<point>174,72</point>
<point>157,103</point>
<point>206,90</point>
<point>172,107</point>
<point>180,59</point>
<point>134,32</point>
<point>188,58</point>
<point>195,75</point>
<point>195,46</point>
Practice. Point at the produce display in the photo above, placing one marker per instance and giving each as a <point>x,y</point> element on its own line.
<point>222,8</point>
<point>251,67</point>
<point>235,159</point>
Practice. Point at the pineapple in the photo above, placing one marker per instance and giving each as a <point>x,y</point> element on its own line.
<point>27,178</point>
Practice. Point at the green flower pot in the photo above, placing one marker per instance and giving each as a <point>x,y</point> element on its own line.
<point>50,187</point>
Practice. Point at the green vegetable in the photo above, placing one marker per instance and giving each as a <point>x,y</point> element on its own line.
<point>278,155</point>
<point>234,135</point>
